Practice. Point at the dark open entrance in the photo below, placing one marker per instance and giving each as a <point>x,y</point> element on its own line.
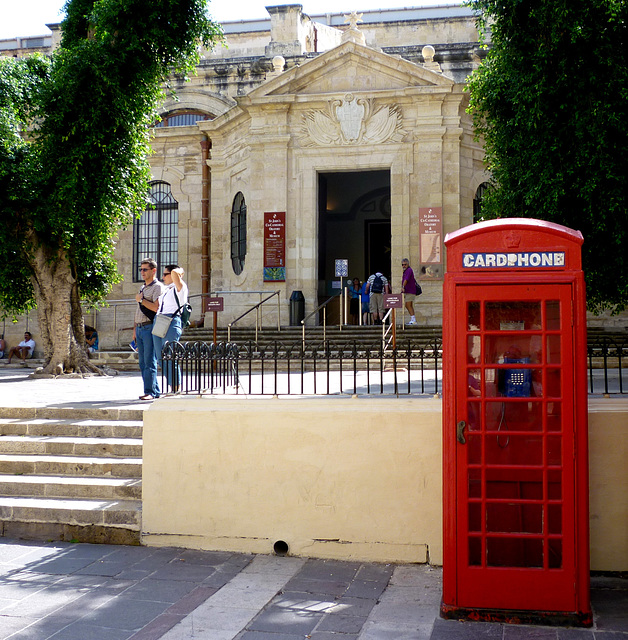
<point>353,224</point>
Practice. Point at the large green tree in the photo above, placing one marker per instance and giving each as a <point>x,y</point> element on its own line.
<point>550,101</point>
<point>74,134</point>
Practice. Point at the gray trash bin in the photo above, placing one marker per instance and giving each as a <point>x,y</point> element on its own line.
<point>297,308</point>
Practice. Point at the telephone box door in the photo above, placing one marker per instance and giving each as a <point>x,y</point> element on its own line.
<point>515,546</point>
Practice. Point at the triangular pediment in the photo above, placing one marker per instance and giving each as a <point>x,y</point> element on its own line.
<point>351,67</point>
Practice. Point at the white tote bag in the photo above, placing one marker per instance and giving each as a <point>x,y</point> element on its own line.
<point>161,325</point>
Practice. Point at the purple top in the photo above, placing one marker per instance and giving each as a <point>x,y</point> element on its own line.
<point>408,275</point>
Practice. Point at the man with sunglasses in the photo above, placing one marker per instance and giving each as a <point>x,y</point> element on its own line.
<point>147,300</point>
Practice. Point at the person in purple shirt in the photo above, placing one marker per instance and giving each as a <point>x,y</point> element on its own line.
<point>408,286</point>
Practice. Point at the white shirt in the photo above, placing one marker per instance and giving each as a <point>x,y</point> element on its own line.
<point>28,343</point>
<point>167,301</point>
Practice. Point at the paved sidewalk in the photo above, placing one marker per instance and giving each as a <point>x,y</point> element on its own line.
<point>64,591</point>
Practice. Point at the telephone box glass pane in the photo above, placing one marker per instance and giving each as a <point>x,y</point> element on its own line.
<point>514,552</point>
<point>554,484</point>
<point>474,349</point>
<point>555,560</point>
<point>515,416</point>
<point>475,516</point>
<point>475,552</point>
<point>475,482</point>
<point>554,518</point>
<point>553,383</point>
<point>552,315</point>
<point>554,416</point>
<point>554,449</point>
<point>512,316</point>
<point>473,383</point>
<point>514,518</point>
<point>473,316</point>
<point>503,484</point>
<point>513,349</point>
<point>474,410</point>
<point>508,448</point>
<point>553,349</point>
<point>474,449</point>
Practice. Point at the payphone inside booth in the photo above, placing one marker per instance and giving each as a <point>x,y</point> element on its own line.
<point>515,472</point>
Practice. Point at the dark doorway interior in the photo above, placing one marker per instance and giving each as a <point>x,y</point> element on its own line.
<point>353,224</point>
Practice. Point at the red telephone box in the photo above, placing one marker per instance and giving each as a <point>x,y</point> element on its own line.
<point>515,470</point>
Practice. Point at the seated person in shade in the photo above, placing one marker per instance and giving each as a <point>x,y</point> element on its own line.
<point>3,346</point>
<point>24,349</point>
<point>91,339</point>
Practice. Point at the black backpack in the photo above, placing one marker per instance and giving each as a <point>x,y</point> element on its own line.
<point>378,284</point>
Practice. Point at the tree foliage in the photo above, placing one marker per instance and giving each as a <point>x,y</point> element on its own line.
<point>550,101</point>
<point>74,134</point>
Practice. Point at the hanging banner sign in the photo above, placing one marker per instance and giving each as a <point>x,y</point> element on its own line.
<point>431,237</point>
<point>275,246</point>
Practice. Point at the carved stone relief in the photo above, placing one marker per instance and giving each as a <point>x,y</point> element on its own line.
<point>352,121</point>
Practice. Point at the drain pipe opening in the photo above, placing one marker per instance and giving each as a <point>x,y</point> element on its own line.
<point>280,548</point>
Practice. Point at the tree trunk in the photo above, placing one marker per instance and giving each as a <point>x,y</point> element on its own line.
<point>59,311</point>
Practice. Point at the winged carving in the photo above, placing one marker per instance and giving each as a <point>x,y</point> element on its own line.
<point>352,121</point>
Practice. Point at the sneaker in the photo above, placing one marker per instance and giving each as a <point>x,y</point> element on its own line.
<point>412,321</point>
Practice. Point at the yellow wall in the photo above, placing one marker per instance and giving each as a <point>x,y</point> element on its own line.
<point>339,477</point>
<point>332,477</point>
<point>608,483</point>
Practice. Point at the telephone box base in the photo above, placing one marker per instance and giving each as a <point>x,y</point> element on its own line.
<point>512,616</point>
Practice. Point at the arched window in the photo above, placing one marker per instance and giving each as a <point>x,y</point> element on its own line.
<point>477,202</point>
<point>238,233</point>
<point>156,233</point>
<point>182,118</point>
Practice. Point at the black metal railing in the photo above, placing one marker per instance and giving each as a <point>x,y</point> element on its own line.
<point>318,369</point>
<point>326,368</point>
<point>606,358</point>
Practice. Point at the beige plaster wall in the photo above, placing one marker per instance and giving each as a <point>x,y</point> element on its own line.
<point>332,477</point>
<point>608,483</point>
<point>350,478</point>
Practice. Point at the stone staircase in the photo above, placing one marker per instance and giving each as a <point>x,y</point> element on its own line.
<point>73,475</point>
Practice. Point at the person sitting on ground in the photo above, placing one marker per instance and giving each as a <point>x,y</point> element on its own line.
<point>24,349</point>
<point>91,339</point>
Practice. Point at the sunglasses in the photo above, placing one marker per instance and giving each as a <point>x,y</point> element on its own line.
<point>167,273</point>
<point>145,269</point>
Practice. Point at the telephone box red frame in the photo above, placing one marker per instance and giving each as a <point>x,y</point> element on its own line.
<point>515,442</point>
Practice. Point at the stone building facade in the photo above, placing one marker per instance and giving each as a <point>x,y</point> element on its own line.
<point>352,128</point>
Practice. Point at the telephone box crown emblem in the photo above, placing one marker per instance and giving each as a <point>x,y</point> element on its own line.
<point>512,240</point>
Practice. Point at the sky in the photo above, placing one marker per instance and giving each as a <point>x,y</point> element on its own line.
<point>29,17</point>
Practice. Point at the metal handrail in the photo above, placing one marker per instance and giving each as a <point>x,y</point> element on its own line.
<point>386,331</point>
<point>322,306</point>
<point>256,308</point>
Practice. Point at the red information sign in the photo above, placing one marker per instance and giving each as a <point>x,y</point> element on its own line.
<point>275,246</point>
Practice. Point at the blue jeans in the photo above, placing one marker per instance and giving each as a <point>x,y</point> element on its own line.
<point>172,373</point>
<point>148,359</point>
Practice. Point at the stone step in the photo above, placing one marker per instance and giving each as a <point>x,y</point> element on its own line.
<point>71,474</point>
<point>75,414</point>
<point>16,363</point>
<point>95,521</point>
<point>68,427</point>
<point>71,465</point>
<point>71,446</point>
<point>71,487</point>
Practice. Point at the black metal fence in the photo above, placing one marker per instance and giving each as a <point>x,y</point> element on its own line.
<point>318,369</point>
<point>606,357</point>
<point>350,368</point>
